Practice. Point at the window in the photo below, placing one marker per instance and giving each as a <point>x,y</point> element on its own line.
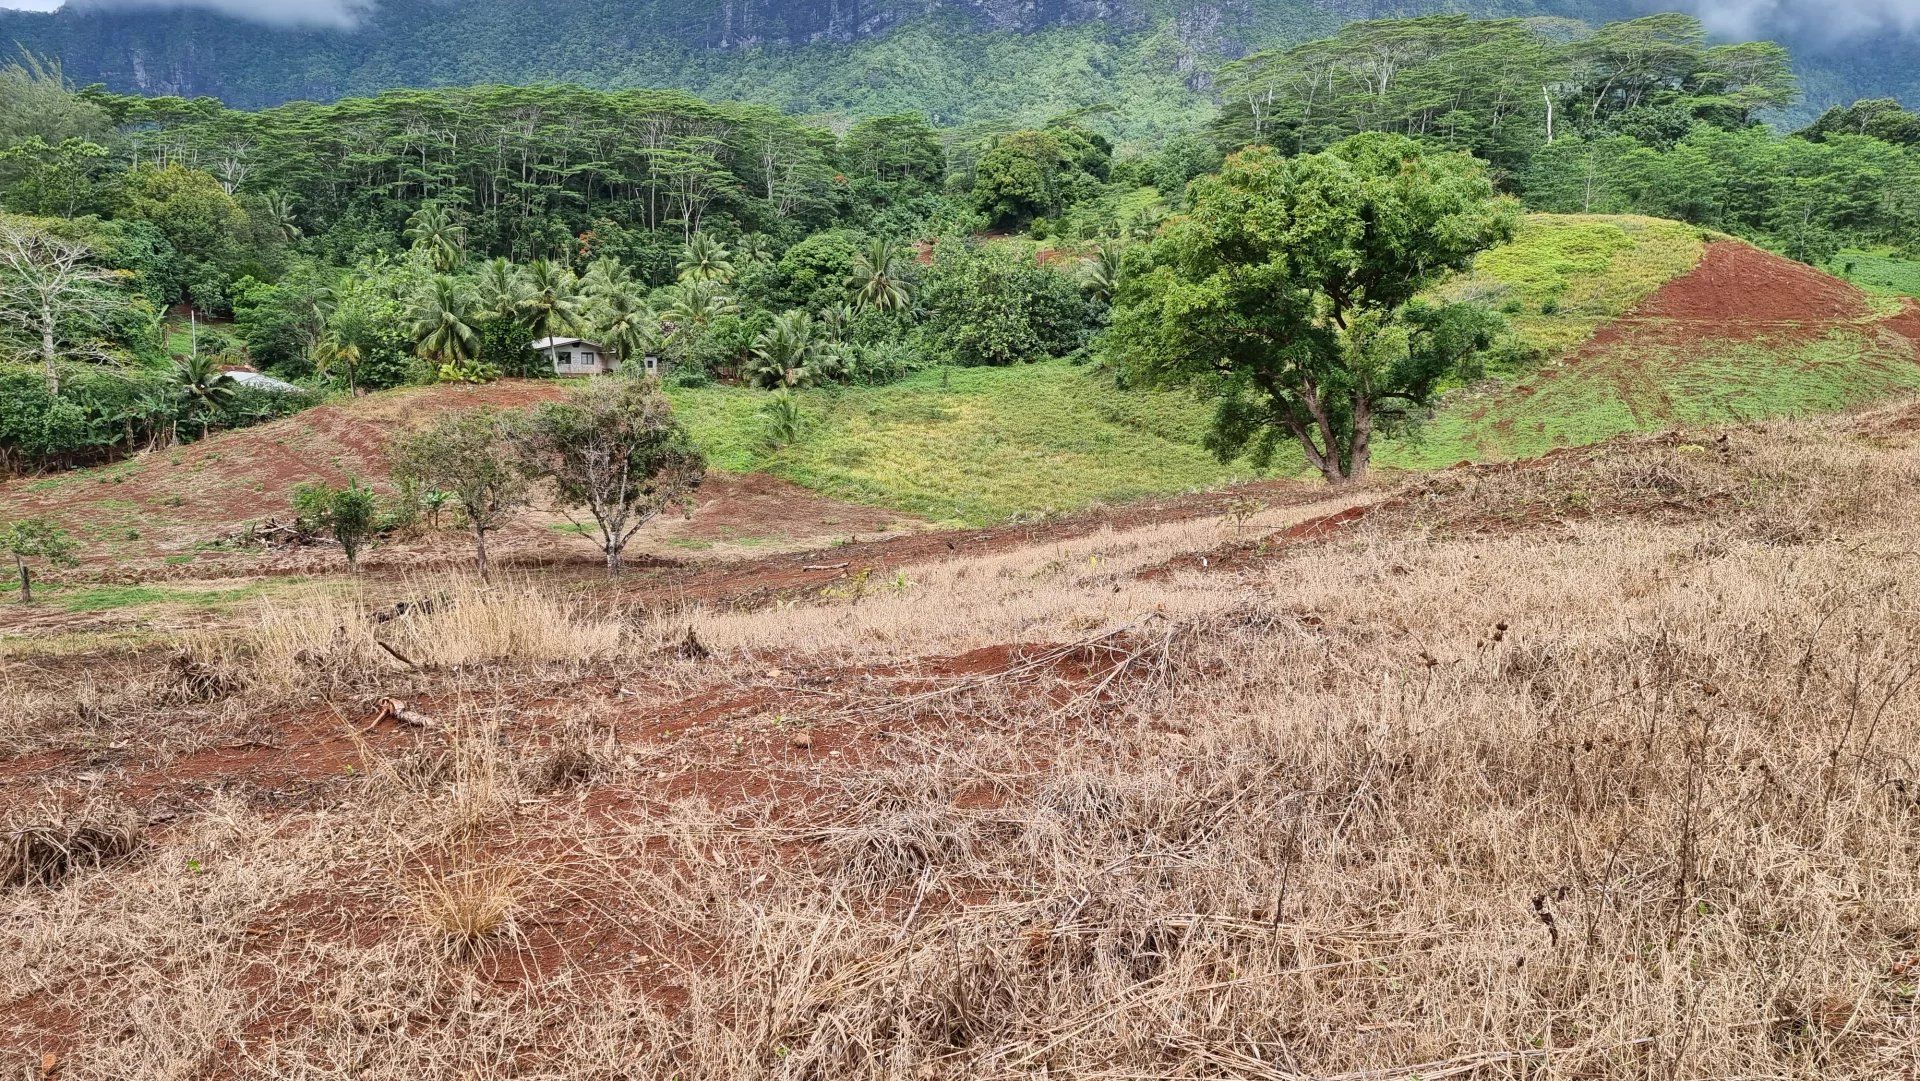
<point>565,359</point>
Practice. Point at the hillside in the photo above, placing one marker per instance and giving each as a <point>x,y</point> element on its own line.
<point>957,60</point>
<point>1633,324</point>
<point>1744,335</point>
<point>1598,767</point>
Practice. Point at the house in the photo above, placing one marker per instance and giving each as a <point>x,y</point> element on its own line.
<point>578,356</point>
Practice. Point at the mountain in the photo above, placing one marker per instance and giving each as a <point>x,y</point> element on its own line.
<point>957,60</point>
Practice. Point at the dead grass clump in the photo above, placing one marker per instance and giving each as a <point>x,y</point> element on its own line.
<point>577,755</point>
<point>46,845</point>
<point>470,909</point>
<point>332,639</point>
<point>191,679</point>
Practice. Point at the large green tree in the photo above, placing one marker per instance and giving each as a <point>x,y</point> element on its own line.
<point>1289,289</point>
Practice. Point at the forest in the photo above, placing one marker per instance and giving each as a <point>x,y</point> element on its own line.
<point>151,243</point>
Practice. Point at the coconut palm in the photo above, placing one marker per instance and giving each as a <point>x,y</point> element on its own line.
<point>626,323</point>
<point>792,353</point>
<point>875,281</point>
<point>334,352</point>
<point>499,289</point>
<point>753,249</point>
<point>434,229</point>
<point>696,304</point>
<point>836,320</point>
<point>276,209</point>
<point>551,301</point>
<point>606,275</point>
<point>1101,277</point>
<point>705,259</point>
<point>442,318</point>
<point>203,387</point>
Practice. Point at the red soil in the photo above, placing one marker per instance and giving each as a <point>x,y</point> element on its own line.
<point>1737,292</point>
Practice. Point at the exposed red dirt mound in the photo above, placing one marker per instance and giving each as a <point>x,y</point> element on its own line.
<point>1739,283</point>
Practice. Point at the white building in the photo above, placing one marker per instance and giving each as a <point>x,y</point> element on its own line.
<point>578,356</point>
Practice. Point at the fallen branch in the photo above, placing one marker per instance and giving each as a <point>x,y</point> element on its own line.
<point>393,709</point>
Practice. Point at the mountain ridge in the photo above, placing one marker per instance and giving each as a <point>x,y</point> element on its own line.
<point>943,57</point>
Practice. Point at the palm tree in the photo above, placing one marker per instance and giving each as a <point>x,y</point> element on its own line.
<point>204,389</point>
<point>705,259</point>
<point>836,320</point>
<point>753,249</point>
<point>500,288</point>
<point>276,207</point>
<point>551,301</point>
<point>791,353</point>
<point>696,304</point>
<point>442,323</point>
<point>335,352</point>
<point>1101,278</point>
<point>875,282</point>
<point>606,275</point>
<point>434,229</point>
<point>626,324</point>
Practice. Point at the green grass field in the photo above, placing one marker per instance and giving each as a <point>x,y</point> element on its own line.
<point>972,445</point>
<point>1648,388</point>
<point>1878,272</point>
<point>1566,275</point>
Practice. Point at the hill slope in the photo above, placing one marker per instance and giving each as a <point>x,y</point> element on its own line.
<point>1745,335</point>
<point>958,60</point>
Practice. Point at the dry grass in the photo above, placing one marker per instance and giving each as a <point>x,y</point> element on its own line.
<point>469,908</point>
<point>1602,768</point>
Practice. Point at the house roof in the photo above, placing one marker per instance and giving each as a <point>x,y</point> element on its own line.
<point>555,343</point>
<point>263,382</point>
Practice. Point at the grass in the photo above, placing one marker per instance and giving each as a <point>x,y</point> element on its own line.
<point>82,599</point>
<point>972,445</point>
<point>1642,387</point>
<point>1878,272</point>
<point>1566,275</point>
<point>1472,789</point>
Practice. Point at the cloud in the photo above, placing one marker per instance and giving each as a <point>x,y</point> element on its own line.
<point>336,14</point>
<point>1828,21</point>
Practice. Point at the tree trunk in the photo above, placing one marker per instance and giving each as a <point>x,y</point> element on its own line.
<point>26,580</point>
<point>48,354</point>
<point>612,548</point>
<point>480,550</point>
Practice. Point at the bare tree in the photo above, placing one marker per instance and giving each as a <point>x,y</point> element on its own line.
<point>48,283</point>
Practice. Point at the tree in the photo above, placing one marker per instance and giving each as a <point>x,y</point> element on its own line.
<point>625,323</point>
<point>351,515</point>
<point>705,260</point>
<point>469,457</point>
<point>434,230</point>
<point>336,352</point>
<point>875,281</point>
<point>550,299</point>
<point>443,323</point>
<point>48,285</point>
<point>1288,289</point>
<point>898,149</point>
<point>203,387</point>
<point>613,449</point>
<point>792,353</point>
<point>38,539</point>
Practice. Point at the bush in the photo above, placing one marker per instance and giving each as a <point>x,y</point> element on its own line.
<point>996,305</point>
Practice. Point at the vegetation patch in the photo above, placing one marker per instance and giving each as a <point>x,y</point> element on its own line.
<point>973,445</point>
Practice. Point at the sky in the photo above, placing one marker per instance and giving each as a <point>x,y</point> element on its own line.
<point>1829,20</point>
<point>271,12</point>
